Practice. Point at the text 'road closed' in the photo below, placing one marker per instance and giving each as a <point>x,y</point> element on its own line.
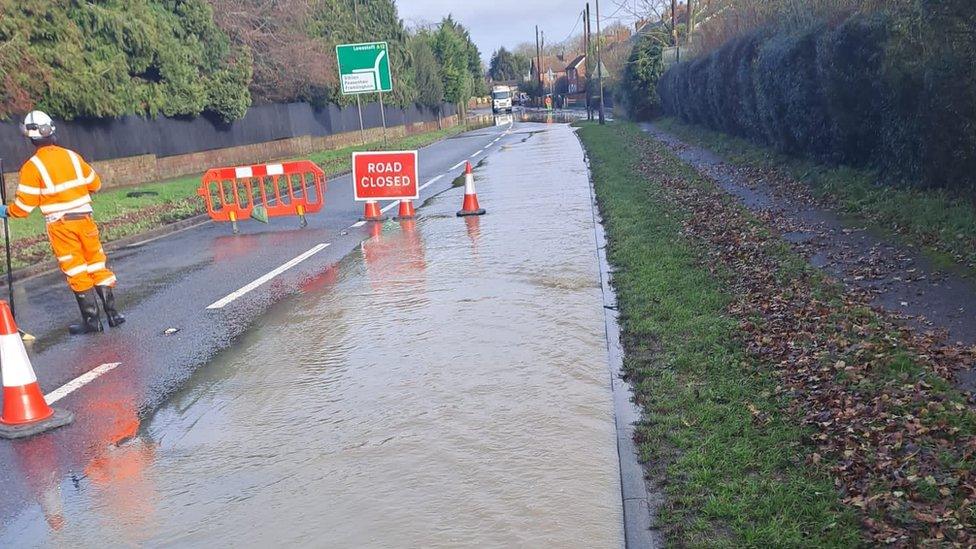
<point>385,175</point>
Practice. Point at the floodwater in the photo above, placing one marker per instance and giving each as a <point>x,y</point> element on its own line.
<point>445,385</point>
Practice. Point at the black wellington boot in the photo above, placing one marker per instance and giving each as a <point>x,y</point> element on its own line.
<point>108,303</point>
<point>90,320</point>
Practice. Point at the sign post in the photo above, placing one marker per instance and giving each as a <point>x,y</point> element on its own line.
<point>385,175</point>
<point>383,116</point>
<point>362,131</point>
<point>365,68</point>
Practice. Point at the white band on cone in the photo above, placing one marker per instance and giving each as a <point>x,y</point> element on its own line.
<point>16,370</point>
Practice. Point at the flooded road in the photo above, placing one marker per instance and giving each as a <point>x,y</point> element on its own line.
<point>445,385</point>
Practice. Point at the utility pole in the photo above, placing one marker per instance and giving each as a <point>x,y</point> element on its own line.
<point>674,22</point>
<point>542,84</point>
<point>599,60</point>
<point>691,22</point>
<point>538,59</point>
<point>589,71</point>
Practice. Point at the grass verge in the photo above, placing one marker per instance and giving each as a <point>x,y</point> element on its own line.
<point>128,211</point>
<point>728,481</point>
<point>779,410</point>
<point>938,221</point>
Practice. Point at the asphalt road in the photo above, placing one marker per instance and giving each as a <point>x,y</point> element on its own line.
<point>168,283</point>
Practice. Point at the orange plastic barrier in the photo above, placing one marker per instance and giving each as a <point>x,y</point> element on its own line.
<point>287,188</point>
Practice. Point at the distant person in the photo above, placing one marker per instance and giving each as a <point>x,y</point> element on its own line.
<point>59,181</point>
<point>548,102</point>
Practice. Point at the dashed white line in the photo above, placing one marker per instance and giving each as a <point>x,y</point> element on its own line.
<point>458,165</point>
<point>389,206</point>
<point>477,153</point>
<point>79,382</point>
<point>432,181</point>
<point>221,303</point>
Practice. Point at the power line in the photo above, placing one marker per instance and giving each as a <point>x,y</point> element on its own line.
<point>623,5</point>
<point>575,26</point>
<point>620,6</point>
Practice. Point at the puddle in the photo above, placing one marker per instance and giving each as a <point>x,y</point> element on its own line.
<point>798,237</point>
<point>820,260</point>
<point>445,385</point>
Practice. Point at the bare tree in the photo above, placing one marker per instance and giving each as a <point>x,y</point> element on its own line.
<point>716,21</point>
<point>288,62</point>
<point>526,49</point>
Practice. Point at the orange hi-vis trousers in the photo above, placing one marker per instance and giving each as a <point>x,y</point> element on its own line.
<point>80,254</point>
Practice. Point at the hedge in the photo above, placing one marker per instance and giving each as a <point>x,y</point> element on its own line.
<point>860,91</point>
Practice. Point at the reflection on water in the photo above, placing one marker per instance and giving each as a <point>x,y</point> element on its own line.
<point>563,116</point>
<point>112,496</point>
<point>504,119</point>
<point>446,385</point>
<point>36,462</point>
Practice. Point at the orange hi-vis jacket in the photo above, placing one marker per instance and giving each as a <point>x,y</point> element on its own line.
<point>58,181</point>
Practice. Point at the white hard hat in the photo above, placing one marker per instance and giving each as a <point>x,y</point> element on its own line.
<point>37,125</point>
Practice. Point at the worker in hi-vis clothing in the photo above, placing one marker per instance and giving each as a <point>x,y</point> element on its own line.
<point>59,182</point>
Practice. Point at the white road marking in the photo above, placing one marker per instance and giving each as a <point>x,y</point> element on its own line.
<point>458,165</point>
<point>231,297</point>
<point>79,382</point>
<point>357,225</point>
<point>389,206</point>
<point>477,153</point>
<point>432,181</point>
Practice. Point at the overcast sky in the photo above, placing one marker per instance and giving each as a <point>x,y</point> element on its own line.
<point>495,23</point>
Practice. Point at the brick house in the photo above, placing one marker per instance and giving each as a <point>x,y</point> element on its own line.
<point>553,69</point>
<point>576,75</point>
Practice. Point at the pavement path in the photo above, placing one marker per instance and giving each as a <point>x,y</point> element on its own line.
<point>901,280</point>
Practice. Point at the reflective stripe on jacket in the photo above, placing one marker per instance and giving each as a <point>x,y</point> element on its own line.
<point>56,180</point>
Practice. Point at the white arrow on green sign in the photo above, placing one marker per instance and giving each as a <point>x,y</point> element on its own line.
<point>364,68</point>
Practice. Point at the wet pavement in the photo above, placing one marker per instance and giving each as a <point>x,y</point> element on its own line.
<point>900,279</point>
<point>445,384</point>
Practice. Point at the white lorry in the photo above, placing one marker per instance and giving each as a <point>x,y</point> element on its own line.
<point>501,99</point>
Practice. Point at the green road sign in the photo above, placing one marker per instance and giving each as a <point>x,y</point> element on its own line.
<point>364,68</point>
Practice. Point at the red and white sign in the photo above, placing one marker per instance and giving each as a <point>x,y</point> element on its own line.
<point>385,175</point>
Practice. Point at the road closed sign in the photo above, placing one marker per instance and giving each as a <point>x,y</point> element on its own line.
<point>385,175</point>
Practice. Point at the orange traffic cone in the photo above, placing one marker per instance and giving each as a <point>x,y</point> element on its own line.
<point>406,210</point>
<point>372,212</point>
<point>470,206</point>
<point>25,412</point>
